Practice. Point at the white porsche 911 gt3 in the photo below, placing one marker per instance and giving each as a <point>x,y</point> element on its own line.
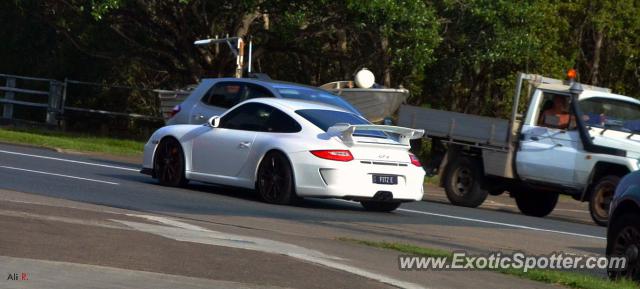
<point>286,148</point>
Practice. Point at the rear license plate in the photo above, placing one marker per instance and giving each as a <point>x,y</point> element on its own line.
<point>385,180</point>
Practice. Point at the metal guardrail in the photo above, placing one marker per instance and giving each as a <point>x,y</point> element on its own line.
<point>56,99</point>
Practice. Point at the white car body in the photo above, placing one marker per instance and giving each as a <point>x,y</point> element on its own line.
<point>231,157</point>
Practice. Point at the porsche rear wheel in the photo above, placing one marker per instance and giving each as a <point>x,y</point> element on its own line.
<point>537,203</point>
<point>169,163</point>
<point>275,179</point>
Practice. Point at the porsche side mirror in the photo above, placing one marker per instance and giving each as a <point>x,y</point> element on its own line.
<point>214,121</point>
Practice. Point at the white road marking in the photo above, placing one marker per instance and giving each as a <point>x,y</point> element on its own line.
<point>496,204</point>
<point>502,224</point>
<point>70,161</point>
<point>185,232</point>
<point>494,223</point>
<point>59,175</point>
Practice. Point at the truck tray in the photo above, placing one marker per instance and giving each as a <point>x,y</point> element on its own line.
<point>460,127</point>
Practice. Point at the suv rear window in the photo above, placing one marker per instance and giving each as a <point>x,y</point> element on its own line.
<point>227,94</point>
<point>315,95</point>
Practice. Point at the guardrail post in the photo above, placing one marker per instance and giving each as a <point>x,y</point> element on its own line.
<point>62,121</point>
<point>55,97</point>
<point>7,111</point>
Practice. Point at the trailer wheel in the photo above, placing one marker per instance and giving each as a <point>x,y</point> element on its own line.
<point>600,199</point>
<point>463,183</point>
<point>536,203</point>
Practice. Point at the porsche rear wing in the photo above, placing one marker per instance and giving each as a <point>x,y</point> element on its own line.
<point>346,131</point>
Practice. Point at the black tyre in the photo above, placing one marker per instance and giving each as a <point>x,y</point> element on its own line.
<point>168,163</point>
<point>463,183</point>
<point>275,179</point>
<point>600,199</point>
<point>624,241</point>
<point>536,203</point>
<point>380,206</point>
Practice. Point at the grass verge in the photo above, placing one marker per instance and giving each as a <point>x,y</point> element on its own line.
<point>70,141</point>
<point>569,279</point>
<point>434,180</point>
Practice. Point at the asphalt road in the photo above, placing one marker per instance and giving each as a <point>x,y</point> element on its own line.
<point>58,188</point>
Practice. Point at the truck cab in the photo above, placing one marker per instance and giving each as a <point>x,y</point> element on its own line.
<point>552,152</point>
<point>571,138</point>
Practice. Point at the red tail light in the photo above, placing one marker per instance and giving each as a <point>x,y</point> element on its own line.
<point>414,160</point>
<point>334,155</point>
<point>174,111</point>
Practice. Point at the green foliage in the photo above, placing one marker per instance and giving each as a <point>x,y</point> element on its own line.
<point>485,43</point>
<point>459,55</point>
<point>616,62</point>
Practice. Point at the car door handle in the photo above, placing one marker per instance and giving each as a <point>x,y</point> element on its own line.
<point>534,138</point>
<point>244,145</point>
<point>199,116</point>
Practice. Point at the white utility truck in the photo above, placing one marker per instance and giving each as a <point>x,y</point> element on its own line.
<point>573,139</point>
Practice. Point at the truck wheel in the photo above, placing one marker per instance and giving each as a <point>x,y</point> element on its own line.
<point>536,203</point>
<point>463,181</point>
<point>600,199</point>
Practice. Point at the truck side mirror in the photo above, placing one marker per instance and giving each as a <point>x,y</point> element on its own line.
<point>214,121</point>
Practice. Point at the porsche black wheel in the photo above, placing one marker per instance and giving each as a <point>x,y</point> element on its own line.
<point>275,179</point>
<point>169,163</point>
<point>536,203</point>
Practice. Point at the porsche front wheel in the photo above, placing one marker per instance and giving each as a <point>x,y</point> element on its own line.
<point>169,163</point>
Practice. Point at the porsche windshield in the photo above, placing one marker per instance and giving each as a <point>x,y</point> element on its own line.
<point>324,119</point>
<point>611,114</point>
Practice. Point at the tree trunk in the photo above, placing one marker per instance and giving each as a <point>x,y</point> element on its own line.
<point>386,61</point>
<point>597,50</point>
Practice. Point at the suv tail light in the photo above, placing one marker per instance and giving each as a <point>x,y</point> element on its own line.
<point>334,155</point>
<point>174,111</point>
<point>414,160</point>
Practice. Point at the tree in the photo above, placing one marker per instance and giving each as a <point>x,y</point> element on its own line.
<point>607,36</point>
<point>484,44</point>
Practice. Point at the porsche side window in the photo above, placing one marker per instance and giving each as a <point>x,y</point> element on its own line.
<point>224,94</point>
<point>251,116</point>
<point>281,122</point>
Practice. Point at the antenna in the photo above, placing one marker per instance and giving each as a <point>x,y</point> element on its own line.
<point>250,54</point>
